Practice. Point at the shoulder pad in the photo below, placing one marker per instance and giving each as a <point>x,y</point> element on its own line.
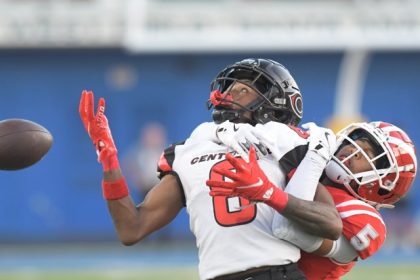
<point>204,131</point>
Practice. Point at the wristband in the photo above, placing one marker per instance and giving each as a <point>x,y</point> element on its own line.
<point>278,200</point>
<point>114,190</point>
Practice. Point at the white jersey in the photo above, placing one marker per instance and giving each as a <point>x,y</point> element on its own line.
<point>231,239</point>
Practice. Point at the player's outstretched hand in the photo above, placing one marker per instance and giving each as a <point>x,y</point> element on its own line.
<point>98,129</point>
<point>321,140</point>
<point>240,138</point>
<point>249,181</point>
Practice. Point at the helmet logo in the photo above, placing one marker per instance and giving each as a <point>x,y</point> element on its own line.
<point>296,103</point>
<point>279,101</point>
<point>250,61</point>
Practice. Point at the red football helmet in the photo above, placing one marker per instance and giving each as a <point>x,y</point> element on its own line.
<point>394,166</point>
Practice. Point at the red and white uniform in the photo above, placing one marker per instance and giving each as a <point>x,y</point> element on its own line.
<point>230,239</point>
<point>363,227</point>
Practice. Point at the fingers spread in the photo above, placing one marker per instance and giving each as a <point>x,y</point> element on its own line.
<point>89,105</point>
<point>262,150</point>
<point>238,163</point>
<point>82,103</point>
<point>226,173</point>
<point>220,184</point>
<point>263,139</point>
<point>221,192</point>
<point>101,107</point>
<point>252,155</point>
<point>241,151</point>
<point>251,138</point>
<point>86,102</point>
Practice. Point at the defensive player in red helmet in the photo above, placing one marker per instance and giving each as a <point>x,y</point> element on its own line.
<point>390,173</point>
<point>374,166</point>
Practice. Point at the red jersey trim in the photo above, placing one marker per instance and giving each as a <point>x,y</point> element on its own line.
<point>163,164</point>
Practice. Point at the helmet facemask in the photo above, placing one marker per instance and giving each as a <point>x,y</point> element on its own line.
<point>374,185</point>
<point>270,105</point>
<point>223,102</point>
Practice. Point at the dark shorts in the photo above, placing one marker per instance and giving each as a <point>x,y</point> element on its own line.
<point>278,272</point>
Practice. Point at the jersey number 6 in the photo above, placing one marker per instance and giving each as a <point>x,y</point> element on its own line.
<point>230,211</point>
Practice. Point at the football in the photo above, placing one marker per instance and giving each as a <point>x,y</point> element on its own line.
<point>22,143</point>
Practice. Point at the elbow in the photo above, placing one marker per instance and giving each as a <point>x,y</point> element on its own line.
<point>128,242</point>
<point>129,239</point>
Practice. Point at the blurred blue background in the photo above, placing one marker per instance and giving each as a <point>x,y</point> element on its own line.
<point>153,62</point>
<point>59,199</point>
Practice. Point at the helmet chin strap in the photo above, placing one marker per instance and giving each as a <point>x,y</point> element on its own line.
<point>220,115</point>
<point>338,175</point>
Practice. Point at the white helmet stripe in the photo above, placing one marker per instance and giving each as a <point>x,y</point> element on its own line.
<point>405,147</point>
<point>392,128</point>
<point>407,167</point>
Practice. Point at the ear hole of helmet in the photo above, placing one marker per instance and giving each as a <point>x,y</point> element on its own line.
<point>283,116</point>
<point>383,191</point>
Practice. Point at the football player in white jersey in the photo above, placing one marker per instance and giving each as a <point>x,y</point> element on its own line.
<point>234,235</point>
<point>374,166</point>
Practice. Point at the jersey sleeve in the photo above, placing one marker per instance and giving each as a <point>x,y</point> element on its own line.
<point>363,227</point>
<point>166,160</point>
<point>165,167</point>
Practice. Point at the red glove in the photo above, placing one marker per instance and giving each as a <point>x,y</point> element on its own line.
<point>98,130</point>
<point>249,181</point>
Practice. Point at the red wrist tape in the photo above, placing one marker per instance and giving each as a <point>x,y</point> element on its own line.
<point>278,200</point>
<point>115,190</point>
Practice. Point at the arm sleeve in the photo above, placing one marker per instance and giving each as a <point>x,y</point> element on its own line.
<point>305,179</point>
<point>342,251</point>
<point>291,232</point>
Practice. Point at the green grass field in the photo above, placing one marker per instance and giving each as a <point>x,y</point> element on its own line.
<point>150,262</point>
<point>148,274</point>
<point>370,272</point>
<point>384,272</point>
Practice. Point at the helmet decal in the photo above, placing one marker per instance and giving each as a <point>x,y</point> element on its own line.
<point>296,104</point>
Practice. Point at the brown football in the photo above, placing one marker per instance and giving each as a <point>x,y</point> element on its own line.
<point>22,143</point>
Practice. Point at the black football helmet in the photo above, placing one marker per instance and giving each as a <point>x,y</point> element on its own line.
<point>279,96</point>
